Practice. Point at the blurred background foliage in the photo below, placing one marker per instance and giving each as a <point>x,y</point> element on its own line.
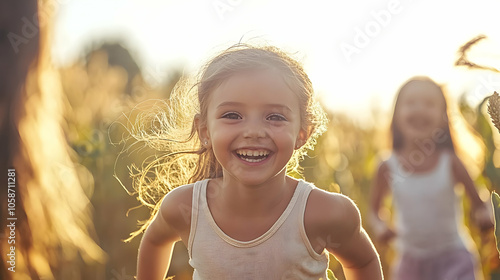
<point>107,85</point>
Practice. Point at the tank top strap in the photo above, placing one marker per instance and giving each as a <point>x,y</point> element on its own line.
<point>300,207</point>
<point>306,189</point>
<point>444,167</point>
<point>445,161</point>
<point>194,213</point>
<point>393,163</point>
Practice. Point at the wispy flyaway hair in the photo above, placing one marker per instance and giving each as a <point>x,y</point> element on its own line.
<point>169,126</point>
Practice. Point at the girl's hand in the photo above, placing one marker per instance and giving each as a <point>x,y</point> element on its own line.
<point>482,213</point>
<point>385,235</point>
<point>380,188</point>
<point>381,232</point>
<point>483,218</point>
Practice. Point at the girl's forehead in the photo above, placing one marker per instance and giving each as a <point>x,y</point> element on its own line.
<point>421,89</point>
<point>265,86</point>
<point>269,77</point>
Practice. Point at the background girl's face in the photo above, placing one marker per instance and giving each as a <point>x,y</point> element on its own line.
<point>253,124</point>
<point>420,110</point>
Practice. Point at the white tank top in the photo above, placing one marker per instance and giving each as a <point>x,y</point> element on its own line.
<point>428,212</point>
<point>283,252</point>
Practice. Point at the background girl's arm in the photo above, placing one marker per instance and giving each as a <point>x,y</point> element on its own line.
<point>155,250</point>
<point>380,188</point>
<point>481,213</point>
<point>348,241</point>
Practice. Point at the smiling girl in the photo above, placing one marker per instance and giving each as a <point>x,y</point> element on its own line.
<point>422,173</point>
<point>231,201</point>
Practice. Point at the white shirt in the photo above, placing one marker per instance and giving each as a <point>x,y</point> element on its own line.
<point>428,212</point>
<point>283,252</point>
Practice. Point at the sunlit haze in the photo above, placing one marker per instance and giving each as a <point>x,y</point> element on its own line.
<point>357,53</point>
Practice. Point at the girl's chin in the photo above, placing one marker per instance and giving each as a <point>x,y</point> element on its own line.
<point>255,178</point>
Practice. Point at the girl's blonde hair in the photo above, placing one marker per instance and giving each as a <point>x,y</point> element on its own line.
<point>171,128</point>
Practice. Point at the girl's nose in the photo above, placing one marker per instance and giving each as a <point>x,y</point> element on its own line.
<point>417,107</point>
<point>254,129</point>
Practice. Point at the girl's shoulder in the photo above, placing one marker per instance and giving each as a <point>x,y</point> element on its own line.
<point>331,213</point>
<point>386,159</point>
<point>384,169</point>
<point>176,206</point>
<point>458,168</point>
<point>335,203</point>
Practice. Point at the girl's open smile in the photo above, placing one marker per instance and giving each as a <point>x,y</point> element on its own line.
<point>254,156</point>
<point>419,122</point>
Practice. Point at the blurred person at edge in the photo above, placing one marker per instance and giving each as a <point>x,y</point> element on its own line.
<point>431,242</point>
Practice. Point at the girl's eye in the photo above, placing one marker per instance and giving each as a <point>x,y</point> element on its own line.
<point>231,115</point>
<point>276,117</point>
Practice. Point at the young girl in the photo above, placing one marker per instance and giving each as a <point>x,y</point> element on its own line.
<point>241,216</point>
<point>422,173</point>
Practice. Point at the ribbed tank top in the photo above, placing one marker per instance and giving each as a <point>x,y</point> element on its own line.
<point>282,252</point>
<point>428,212</point>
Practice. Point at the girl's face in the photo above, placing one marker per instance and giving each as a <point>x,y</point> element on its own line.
<point>253,126</point>
<point>420,110</point>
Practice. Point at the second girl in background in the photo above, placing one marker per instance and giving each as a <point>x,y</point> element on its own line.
<point>431,242</point>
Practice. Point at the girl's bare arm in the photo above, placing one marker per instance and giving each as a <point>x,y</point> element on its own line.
<point>349,242</point>
<point>482,215</point>
<point>155,250</point>
<point>379,189</point>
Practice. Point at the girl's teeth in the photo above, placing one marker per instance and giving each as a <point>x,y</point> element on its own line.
<point>252,153</point>
<point>253,160</point>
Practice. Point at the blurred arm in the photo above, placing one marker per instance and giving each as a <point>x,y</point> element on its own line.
<point>482,215</point>
<point>379,189</point>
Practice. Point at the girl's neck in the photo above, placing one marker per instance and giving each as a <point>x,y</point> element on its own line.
<point>408,148</point>
<point>426,146</point>
<point>419,156</point>
<point>252,200</point>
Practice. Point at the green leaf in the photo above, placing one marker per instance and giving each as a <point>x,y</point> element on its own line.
<point>495,200</point>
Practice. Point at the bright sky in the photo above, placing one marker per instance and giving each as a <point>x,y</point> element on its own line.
<point>357,53</point>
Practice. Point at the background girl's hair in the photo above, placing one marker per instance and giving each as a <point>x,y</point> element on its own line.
<point>397,136</point>
<point>170,127</point>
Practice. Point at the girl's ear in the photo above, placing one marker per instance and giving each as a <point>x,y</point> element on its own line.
<point>302,138</point>
<point>202,130</point>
